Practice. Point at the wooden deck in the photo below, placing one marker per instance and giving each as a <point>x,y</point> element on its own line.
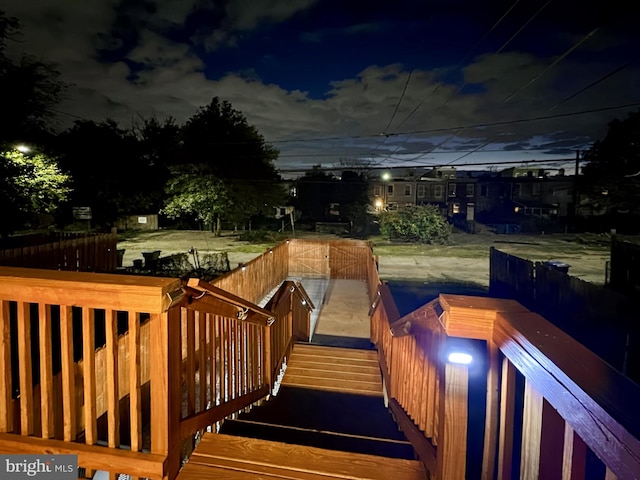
<point>231,458</point>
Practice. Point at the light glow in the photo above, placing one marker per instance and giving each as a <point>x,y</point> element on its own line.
<point>23,149</point>
<point>460,358</point>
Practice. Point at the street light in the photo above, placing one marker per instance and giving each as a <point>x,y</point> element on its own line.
<point>23,149</point>
<point>386,176</point>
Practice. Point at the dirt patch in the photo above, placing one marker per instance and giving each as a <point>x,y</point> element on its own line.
<point>465,260</point>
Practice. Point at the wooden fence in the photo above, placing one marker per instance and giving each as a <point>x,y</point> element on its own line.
<point>603,320</point>
<point>64,251</point>
<point>624,274</point>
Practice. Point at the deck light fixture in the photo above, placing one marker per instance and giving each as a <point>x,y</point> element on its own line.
<point>459,351</point>
<point>460,358</point>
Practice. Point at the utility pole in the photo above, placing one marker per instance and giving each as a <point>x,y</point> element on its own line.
<point>576,197</point>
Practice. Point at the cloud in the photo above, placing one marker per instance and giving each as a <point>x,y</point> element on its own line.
<point>240,16</point>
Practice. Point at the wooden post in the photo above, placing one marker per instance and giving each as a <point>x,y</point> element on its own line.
<point>452,424</point>
<point>166,389</point>
<point>507,400</point>
<point>491,415</point>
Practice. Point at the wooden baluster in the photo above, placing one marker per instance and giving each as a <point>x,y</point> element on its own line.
<point>531,433</point>
<point>135,401</point>
<point>452,422</point>
<point>212,360</point>
<point>219,347</point>
<point>6,410</point>
<point>574,458</point>
<point>491,412</point>
<point>46,371</point>
<point>89,378</point>
<point>609,475</point>
<point>224,359</point>
<point>202,358</point>
<point>423,377</point>
<point>190,375</point>
<point>68,373</point>
<point>507,402</point>
<point>113,403</point>
<point>25,365</point>
<point>432,393</point>
<point>233,359</point>
<point>551,442</point>
<point>243,361</point>
<point>267,357</point>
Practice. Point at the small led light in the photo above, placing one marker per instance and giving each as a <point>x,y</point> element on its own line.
<point>459,358</point>
<point>304,302</point>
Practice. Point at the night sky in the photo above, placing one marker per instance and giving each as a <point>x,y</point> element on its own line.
<point>411,83</point>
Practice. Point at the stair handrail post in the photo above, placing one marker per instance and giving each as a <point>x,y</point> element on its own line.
<point>166,388</point>
<point>268,366</point>
<point>452,421</point>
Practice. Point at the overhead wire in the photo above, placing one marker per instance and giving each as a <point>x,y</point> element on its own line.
<point>459,89</point>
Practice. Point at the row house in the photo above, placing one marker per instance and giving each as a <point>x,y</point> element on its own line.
<point>529,197</point>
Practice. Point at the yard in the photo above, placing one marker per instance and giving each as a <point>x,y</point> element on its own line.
<point>464,261</point>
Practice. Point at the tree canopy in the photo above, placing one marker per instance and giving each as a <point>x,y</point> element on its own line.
<point>612,175</point>
<point>29,89</point>
<point>232,158</point>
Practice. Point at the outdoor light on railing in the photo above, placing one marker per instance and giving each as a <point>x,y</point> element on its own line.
<point>459,351</point>
<point>460,358</point>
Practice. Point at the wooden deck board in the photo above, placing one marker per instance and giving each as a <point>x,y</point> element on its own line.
<point>266,459</point>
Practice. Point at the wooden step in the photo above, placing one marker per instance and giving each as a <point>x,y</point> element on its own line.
<point>335,351</point>
<point>334,369</point>
<point>297,357</point>
<point>349,375</point>
<point>231,458</point>
<point>333,385</point>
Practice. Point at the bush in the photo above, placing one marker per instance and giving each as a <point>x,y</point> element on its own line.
<point>416,223</point>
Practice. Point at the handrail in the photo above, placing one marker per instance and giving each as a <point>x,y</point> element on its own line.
<point>563,381</point>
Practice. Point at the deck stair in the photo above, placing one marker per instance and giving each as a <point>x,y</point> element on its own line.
<point>334,369</point>
<point>229,457</point>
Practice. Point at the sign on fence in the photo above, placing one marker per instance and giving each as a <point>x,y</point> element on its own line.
<point>82,213</point>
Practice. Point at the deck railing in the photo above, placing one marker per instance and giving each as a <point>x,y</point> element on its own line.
<point>571,402</point>
<point>124,370</point>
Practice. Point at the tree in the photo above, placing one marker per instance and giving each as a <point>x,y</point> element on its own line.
<point>31,185</point>
<point>219,144</point>
<point>611,178</point>
<point>111,172</point>
<point>29,88</point>
<point>316,190</point>
<point>202,198</point>
<point>416,223</point>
